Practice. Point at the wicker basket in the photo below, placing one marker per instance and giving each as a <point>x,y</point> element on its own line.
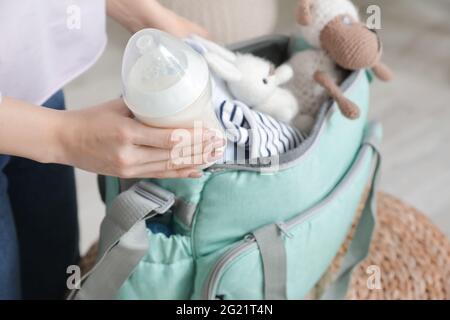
<point>409,258</point>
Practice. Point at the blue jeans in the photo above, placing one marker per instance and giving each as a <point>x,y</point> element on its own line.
<point>38,225</point>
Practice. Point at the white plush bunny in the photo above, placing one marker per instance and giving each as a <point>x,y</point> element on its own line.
<point>253,80</point>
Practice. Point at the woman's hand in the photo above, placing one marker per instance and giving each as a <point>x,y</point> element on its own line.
<point>138,14</point>
<point>106,139</point>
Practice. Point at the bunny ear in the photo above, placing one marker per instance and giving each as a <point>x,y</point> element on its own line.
<point>304,12</point>
<point>215,48</point>
<point>283,74</point>
<point>223,68</point>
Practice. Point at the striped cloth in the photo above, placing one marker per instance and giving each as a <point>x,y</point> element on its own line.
<point>252,134</point>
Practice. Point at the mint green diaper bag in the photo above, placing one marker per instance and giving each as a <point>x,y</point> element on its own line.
<point>246,231</point>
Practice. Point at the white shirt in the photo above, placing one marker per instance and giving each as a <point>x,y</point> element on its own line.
<point>45,44</point>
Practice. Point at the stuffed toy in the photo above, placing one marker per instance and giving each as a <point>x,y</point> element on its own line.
<point>339,42</point>
<point>253,80</point>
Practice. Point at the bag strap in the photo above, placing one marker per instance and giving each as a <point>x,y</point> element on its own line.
<point>123,239</point>
<point>273,254</point>
<point>272,248</point>
<point>360,245</point>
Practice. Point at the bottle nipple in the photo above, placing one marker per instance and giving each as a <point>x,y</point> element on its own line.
<point>161,74</point>
<point>160,66</point>
<point>145,43</point>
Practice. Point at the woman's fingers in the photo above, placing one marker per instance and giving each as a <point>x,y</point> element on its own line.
<point>210,153</point>
<point>182,173</point>
<point>139,155</point>
<point>106,139</point>
<point>142,162</point>
<point>142,155</point>
<point>169,138</point>
<point>189,163</point>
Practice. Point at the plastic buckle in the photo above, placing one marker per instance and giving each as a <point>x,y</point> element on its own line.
<point>150,191</point>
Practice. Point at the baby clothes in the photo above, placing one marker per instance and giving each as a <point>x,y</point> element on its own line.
<point>250,134</point>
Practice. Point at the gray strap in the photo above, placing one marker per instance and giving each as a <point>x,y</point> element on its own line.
<point>137,203</point>
<point>116,266</point>
<point>123,239</point>
<point>183,210</point>
<point>360,244</point>
<point>273,254</point>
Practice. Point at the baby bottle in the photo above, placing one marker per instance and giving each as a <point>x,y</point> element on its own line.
<point>166,83</point>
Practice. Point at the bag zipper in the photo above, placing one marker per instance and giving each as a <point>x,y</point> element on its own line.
<point>241,247</point>
<point>245,167</point>
<point>249,242</point>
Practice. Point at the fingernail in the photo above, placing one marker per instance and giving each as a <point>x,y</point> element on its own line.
<point>196,174</point>
<point>175,137</point>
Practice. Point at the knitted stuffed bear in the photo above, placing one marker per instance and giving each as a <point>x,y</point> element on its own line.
<point>339,42</point>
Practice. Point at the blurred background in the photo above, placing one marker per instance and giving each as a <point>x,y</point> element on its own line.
<point>414,108</point>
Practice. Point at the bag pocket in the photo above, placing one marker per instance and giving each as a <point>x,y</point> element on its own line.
<point>165,273</point>
<point>311,241</point>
